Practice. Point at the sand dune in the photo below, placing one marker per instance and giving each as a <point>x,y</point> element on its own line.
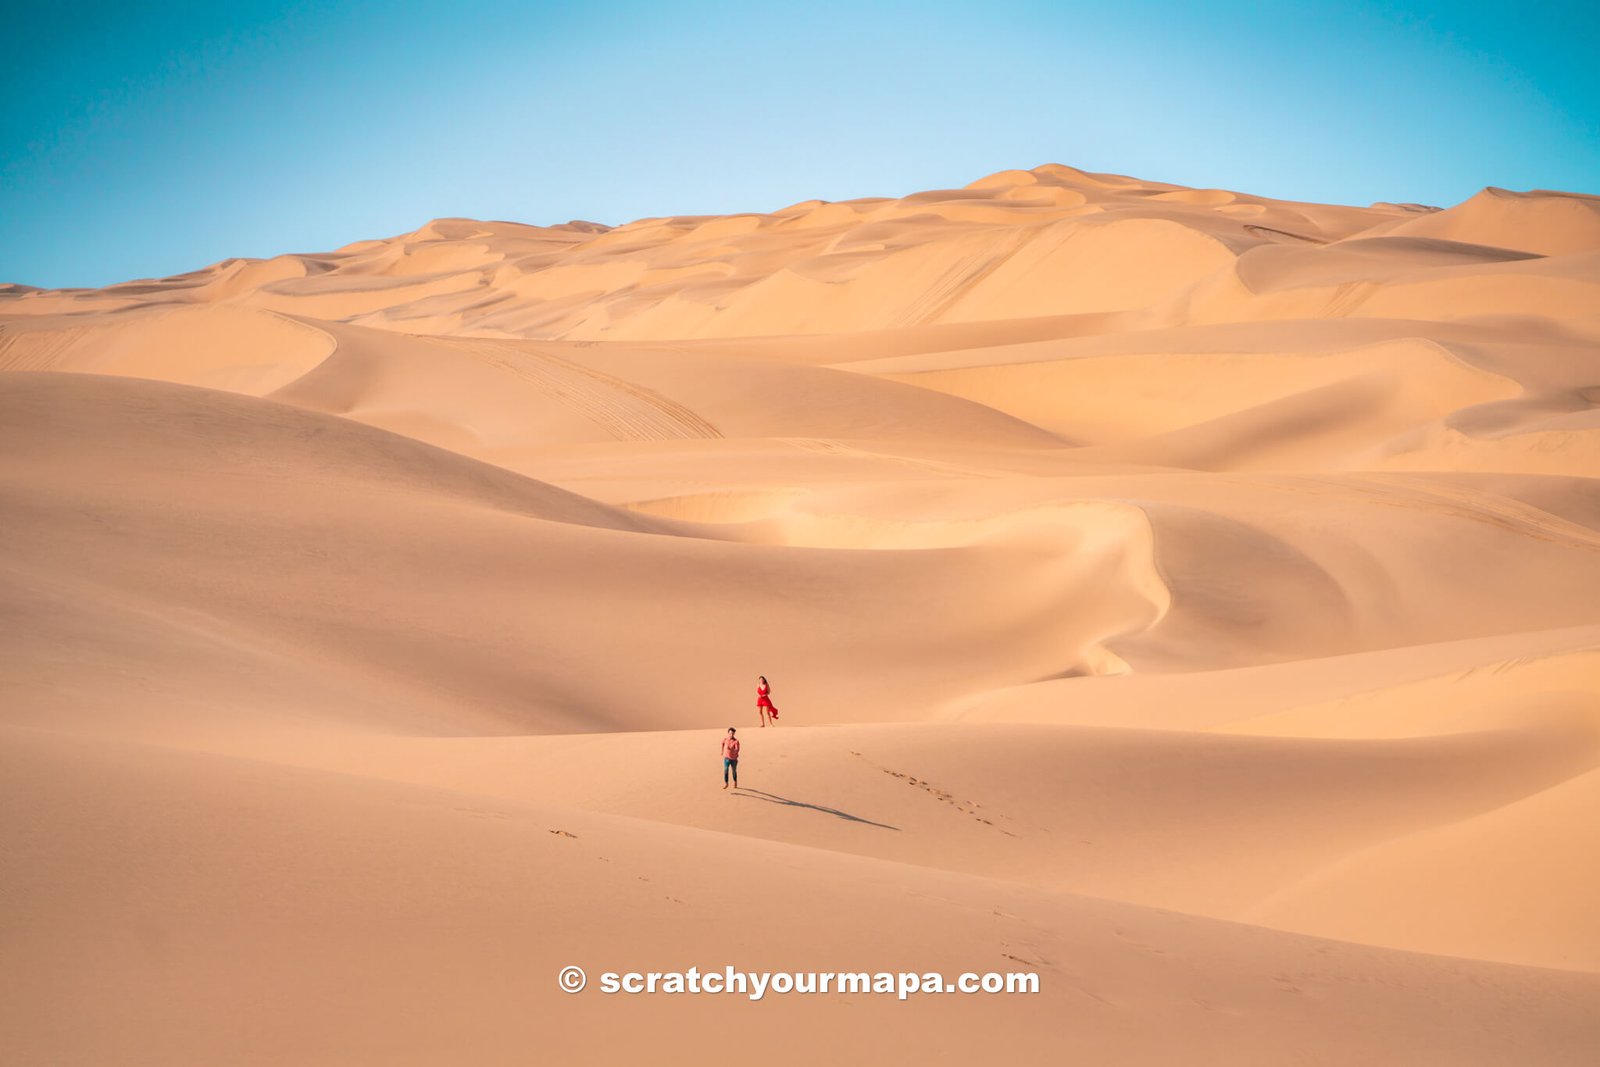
<point>1184,595</point>
<point>194,953</point>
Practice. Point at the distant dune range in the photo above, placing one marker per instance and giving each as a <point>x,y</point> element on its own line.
<point>1189,596</point>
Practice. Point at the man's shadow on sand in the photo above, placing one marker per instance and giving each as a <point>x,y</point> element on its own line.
<point>772,798</point>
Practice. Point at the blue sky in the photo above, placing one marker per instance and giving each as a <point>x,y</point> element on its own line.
<point>138,141</point>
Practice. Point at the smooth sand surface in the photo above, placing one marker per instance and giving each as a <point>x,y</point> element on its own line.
<point>1188,597</point>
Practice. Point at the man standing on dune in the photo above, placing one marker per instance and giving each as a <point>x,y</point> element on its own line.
<point>730,758</point>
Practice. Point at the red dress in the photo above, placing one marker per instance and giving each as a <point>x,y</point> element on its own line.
<point>764,701</point>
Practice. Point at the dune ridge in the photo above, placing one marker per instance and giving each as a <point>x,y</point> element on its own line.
<point>1184,595</point>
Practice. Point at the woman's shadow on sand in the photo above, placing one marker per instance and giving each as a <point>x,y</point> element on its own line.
<point>772,798</point>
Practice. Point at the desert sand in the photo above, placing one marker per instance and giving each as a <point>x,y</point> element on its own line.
<point>1190,597</point>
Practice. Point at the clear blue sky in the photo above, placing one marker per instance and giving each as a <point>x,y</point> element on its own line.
<point>142,140</point>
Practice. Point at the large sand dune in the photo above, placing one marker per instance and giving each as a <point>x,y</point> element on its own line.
<point>1191,597</point>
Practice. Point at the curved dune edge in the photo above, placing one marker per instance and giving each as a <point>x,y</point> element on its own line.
<point>236,348</point>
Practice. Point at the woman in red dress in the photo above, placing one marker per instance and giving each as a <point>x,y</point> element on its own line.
<point>764,707</point>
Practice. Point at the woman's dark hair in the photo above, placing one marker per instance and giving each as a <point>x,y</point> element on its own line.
<point>731,730</point>
<point>763,678</point>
